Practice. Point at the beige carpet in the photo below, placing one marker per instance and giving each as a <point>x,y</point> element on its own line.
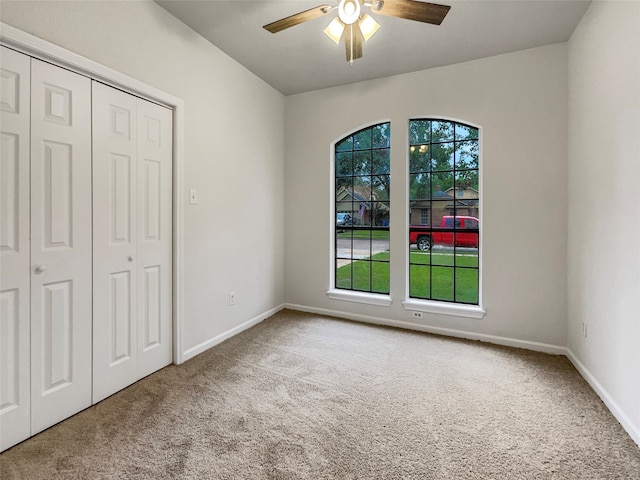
<point>307,397</point>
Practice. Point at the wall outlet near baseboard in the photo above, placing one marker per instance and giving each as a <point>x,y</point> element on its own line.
<point>416,314</point>
<point>232,299</point>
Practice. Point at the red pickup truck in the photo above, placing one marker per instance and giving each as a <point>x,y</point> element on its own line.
<point>464,229</point>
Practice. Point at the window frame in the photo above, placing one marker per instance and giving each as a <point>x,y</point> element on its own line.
<point>438,306</point>
<point>335,293</point>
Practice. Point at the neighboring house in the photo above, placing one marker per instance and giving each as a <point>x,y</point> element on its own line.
<point>363,205</point>
<point>461,201</point>
<point>467,201</point>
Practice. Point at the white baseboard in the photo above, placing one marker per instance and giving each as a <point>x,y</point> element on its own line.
<point>509,342</point>
<point>207,344</point>
<point>612,405</point>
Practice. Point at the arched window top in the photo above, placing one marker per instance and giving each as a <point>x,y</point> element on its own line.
<point>371,137</point>
<point>434,130</point>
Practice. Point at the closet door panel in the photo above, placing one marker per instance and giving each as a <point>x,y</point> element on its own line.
<point>115,237</point>
<point>60,244</point>
<point>155,153</point>
<point>15,372</point>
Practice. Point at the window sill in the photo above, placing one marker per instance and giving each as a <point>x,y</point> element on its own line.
<point>443,308</point>
<point>380,300</point>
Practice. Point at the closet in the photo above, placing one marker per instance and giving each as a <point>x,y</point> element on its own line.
<point>85,243</point>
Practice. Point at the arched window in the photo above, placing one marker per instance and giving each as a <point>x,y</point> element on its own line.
<point>362,183</point>
<point>444,203</point>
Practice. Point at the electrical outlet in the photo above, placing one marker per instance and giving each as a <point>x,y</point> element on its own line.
<point>232,299</point>
<point>416,314</point>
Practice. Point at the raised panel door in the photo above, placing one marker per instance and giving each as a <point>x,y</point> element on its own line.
<point>15,373</point>
<point>155,152</point>
<point>60,244</point>
<point>115,237</point>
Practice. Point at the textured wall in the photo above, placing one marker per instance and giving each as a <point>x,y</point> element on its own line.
<point>604,168</point>
<point>520,102</point>
<point>234,148</point>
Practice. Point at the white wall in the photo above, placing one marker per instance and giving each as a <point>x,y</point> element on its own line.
<point>604,231</point>
<point>234,149</point>
<point>520,101</point>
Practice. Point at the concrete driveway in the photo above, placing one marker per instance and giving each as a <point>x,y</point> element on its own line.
<point>361,249</point>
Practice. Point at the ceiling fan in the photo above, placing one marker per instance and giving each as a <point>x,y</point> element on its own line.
<point>357,27</point>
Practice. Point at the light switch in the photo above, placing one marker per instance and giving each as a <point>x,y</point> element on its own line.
<point>193,196</point>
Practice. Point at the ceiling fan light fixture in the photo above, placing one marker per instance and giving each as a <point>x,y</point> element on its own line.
<point>335,30</point>
<point>368,26</point>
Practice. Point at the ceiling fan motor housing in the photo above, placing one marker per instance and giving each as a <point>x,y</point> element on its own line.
<point>349,11</point>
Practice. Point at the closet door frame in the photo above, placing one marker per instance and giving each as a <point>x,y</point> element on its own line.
<point>16,39</point>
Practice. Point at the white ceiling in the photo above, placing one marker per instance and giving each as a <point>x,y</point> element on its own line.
<point>302,58</point>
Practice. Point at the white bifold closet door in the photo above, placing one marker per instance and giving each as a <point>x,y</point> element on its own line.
<point>45,345</point>
<point>61,322</point>
<point>132,238</point>
<point>15,277</point>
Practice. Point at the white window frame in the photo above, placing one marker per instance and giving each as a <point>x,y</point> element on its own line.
<point>378,299</point>
<point>435,306</point>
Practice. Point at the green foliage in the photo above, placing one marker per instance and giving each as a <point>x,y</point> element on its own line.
<point>442,155</point>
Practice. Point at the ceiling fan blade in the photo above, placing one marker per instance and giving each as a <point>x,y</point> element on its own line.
<point>413,10</point>
<point>297,18</point>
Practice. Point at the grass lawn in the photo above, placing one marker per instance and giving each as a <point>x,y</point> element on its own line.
<point>431,276</point>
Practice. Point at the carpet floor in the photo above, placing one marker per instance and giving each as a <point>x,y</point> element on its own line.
<point>302,396</point>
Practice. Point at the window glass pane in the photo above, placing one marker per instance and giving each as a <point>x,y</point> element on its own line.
<point>466,257</point>
<point>362,140</point>
<point>343,274</point>
<point>465,132</point>
<point>344,194</point>
<point>345,145</point>
<point>442,156</point>
<point>420,281</point>
<point>443,255</point>
<point>419,186</point>
<point>420,257</point>
<point>344,243</point>
<point>466,155</point>
<point>419,132</point>
<point>381,161</point>
<point>467,285</point>
<point>380,187</point>
<point>380,215</point>
<point>467,183</point>
<point>442,279</point>
<point>419,159</point>
<point>362,162</point>
<point>380,277</point>
<point>344,164</point>
<point>381,135</point>
<point>362,275</point>
<point>442,183</point>
<point>441,131</point>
